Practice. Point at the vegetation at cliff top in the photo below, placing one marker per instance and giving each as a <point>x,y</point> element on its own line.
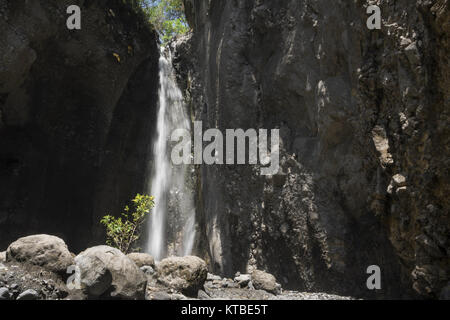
<point>167,16</point>
<point>123,232</point>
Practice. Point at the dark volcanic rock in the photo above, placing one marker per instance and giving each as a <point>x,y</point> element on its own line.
<point>363,119</point>
<point>75,121</point>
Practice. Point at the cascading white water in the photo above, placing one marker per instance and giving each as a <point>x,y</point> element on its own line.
<point>167,182</point>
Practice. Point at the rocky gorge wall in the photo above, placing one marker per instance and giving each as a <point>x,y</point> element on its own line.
<point>363,118</point>
<point>77,108</point>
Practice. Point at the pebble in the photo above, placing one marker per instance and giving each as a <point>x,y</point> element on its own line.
<point>212,277</point>
<point>4,294</point>
<point>202,295</point>
<point>161,296</point>
<point>243,279</point>
<point>28,295</point>
<point>148,270</point>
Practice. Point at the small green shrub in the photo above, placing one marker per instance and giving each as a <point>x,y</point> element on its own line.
<point>123,232</point>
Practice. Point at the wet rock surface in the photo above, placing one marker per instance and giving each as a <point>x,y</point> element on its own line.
<point>363,118</point>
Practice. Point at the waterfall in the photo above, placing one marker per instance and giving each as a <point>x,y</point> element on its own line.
<point>171,227</point>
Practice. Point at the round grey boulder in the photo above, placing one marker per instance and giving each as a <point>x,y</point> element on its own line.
<point>265,281</point>
<point>3,256</point>
<point>43,250</point>
<point>184,274</point>
<point>142,259</point>
<point>107,272</point>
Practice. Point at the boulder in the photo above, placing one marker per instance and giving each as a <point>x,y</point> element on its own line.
<point>187,274</point>
<point>49,252</point>
<point>142,259</point>
<point>107,272</point>
<point>265,281</point>
<point>3,256</point>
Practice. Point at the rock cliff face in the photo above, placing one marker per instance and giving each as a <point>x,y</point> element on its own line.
<point>363,118</point>
<point>76,115</point>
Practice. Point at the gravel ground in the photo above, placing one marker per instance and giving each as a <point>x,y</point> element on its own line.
<point>16,279</point>
<point>249,294</point>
